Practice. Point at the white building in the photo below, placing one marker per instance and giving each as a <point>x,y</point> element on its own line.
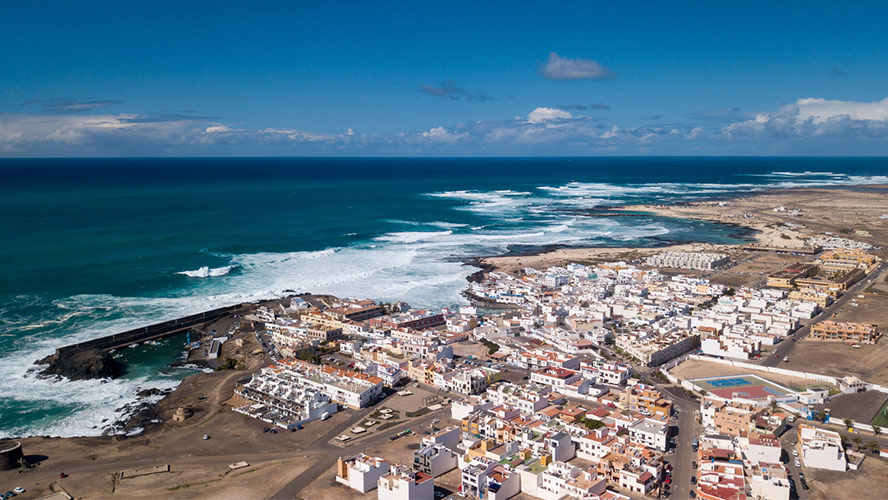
<point>649,432</point>
<point>467,406</point>
<point>360,472</point>
<point>821,449</point>
<point>468,382</point>
<point>434,459</point>
<point>562,480</point>
<point>404,483</point>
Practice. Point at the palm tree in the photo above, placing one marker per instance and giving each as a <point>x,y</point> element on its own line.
<point>857,440</point>
<point>849,424</point>
<point>773,406</point>
<point>873,446</point>
<point>877,430</point>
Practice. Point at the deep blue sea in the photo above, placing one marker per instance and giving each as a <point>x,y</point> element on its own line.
<point>92,246</point>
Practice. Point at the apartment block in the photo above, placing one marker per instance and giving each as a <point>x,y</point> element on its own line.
<point>860,333</point>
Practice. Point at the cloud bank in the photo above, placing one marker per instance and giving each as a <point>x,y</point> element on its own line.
<point>809,126</point>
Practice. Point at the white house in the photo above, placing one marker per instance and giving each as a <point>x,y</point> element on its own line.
<point>649,432</point>
<point>404,483</point>
<point>821,449</point>
<point>360,472</point>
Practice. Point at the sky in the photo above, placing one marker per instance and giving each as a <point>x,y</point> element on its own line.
<point>443,78</point>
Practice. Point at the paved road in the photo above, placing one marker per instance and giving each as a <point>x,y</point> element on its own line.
<point>786,442</point>
<point>687,430</point>
<point>330,453</point>
<point>785,347</point>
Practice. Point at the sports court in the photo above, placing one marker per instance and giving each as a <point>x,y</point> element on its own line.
<point>743,386</point>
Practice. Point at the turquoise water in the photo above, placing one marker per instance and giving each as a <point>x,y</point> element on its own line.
<point>96,246</point>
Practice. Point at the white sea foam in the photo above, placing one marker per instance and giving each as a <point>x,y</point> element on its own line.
<point>497,202</point>
<point>207,272</point>
<point>811,178</point>
<point>422,265</point>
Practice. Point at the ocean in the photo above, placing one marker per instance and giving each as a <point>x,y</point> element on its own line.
<point>94,246</point>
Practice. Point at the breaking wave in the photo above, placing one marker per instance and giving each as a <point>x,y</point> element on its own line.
<point>420,262</point>
<point>207,272</point>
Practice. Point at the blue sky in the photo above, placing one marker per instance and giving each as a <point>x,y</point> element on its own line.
<point>418,78</point>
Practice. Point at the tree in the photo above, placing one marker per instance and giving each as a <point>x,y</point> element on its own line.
<point>592,424</point>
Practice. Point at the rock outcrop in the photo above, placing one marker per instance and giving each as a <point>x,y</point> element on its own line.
<point>81,364</point>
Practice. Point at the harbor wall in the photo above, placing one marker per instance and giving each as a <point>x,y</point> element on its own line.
<point>150,332</point>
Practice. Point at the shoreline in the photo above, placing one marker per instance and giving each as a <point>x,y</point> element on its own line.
<point>202,447</point>
<point>765,227</point>
<point>760,229</point>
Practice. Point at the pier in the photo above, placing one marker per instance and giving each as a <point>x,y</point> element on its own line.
<point>151,332</point>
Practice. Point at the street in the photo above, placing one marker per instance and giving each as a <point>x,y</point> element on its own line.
<point>330,453</point>
<point>785,347</point>
<point>686,430</point>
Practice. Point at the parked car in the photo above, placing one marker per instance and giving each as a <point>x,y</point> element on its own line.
<point>797,463</point>
<point>18,490</point>
<point>206,436</point>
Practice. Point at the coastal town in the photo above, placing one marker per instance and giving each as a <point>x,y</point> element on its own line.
<point>675,374</point>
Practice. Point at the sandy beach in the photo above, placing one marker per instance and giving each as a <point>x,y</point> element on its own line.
<point>777,218</point>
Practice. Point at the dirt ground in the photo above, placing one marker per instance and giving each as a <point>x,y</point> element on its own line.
<point>868,483</point>
<point>198,467</point>
<point>753,268</point>
<point>839,211</point>
<point>470,348</point>
<point>691,369</point>
<point>325,486</point>
<point>869,362</point>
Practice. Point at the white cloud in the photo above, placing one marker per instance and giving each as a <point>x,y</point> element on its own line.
<point>563,68</point>
<point>542,114</point>
<point>440,134</point>
<point>815,117</point>
<point>821,110</point>
<point>807,126</point>
<point>610,134</point>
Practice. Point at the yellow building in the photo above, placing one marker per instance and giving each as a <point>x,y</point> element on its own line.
<point>645,399</point>
<point>844,259</point>
<point>862,333</point>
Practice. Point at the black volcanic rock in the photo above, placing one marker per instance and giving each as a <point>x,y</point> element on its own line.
<point>81,364</point>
